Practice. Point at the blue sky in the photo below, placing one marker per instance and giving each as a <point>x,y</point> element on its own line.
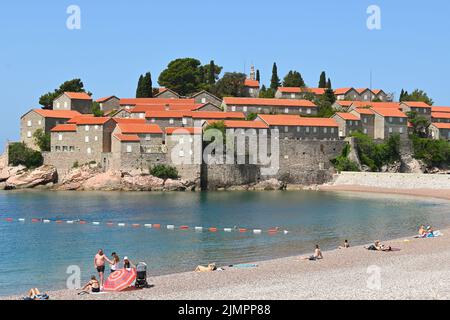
<point>119,40</point>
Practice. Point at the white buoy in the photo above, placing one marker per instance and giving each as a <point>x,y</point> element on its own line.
<point>227,229</point>
<point>22,220</point>
<point>46,221</point>
<point>70,221</point>
<point>285,232</point>
<point>170,227</point>
<point>257,231</point>
<point>95,223</point>
<point>148,225</point>
<point>198,229</point>
<point>121,224</point>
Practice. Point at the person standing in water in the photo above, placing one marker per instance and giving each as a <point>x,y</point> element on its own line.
<point>99,264</point>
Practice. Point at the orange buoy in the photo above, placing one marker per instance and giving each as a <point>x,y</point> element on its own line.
<point>213,229</point>
<point>9,219</point>
<point>35,220</point>
<point>109,224</point>
<point>242,230</point>
<point>58,221</point>
<point>135,225</point>
<point>184,227</point>
<point>272,231</point>
<point>82,222</point>
<point>156,226</point>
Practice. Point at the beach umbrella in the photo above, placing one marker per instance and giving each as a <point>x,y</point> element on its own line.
<point>120,280</point>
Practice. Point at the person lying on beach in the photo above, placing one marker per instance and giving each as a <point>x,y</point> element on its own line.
<point>316,256</point>
<point>345,245</point>
<point>35,294</point>
<point>378,246</point>
<point>209,268</point>
<point>92,286</point>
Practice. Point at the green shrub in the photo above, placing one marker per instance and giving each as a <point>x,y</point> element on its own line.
<point>163,171</point>
<point>75,164</point>
<point>42,139</point>
<point>20,154</point>
<point>343,163</point>
<point>432,152</point>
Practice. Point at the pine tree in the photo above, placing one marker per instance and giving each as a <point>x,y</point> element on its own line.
<point>139,87</point>
<point>402,95</point>
<point>323,80</point>
<point>211,73</point>
<point>147,90</point>
<point>258,76</point>
<point>329,86</point>
<point>275,80</point>
<point>293,79</point>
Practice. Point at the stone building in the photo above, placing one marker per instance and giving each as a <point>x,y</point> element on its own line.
<point>75,101</point>
<point>367,117</point>
<point>298,128</point>
<point>297,93</point>
<point>347,94</point>
<point>166,119</point>
<point>348,123</point>
<point>420,108</point>
<point>365,94</point>
<point>440,130</point>
<point>381,95</point>
<point>42,119</point>
<point>109,104</point>
<point>251,88</point>
<point>165,93</point>
<point>440,117</point>
<point>269,106</point>
<point>207,107</point>
<point>389,121</point>
<point>200,117</point>
<point>204,97</point>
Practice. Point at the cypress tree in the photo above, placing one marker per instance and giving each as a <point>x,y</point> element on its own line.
<point>329,84</point>
<point>257,76</point>
<point>275,80</point>
<point>212,73</point>
<point>139,87</point>
<point>323,80</point>
<point>147,90</point>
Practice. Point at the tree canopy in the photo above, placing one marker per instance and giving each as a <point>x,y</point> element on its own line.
<point>230,85</point>
<point>145,86</point>
<point>293,79</point>
<point>416,95</point>
<point>74,85</point>
<point>275,80</point>
<point>323,80</point>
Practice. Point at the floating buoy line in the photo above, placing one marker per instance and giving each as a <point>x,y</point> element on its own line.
<point>171,227</point>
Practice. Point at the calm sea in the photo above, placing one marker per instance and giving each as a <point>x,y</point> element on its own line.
<point>38,254</point>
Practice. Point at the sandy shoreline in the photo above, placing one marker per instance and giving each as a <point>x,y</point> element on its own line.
<point>419,270</point>
<point>428,193</point>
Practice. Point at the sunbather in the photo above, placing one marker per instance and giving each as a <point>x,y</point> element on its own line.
<point>316,256</point>
<point>422,231</point>
<point>92,286</point>
<point>35,294</point>
<point>209,268</point>
<point>345,245</point>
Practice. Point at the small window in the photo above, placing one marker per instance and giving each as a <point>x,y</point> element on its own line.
<point>60,137</point>
<point>184,121</point>
<point>86,139</point>
<point>58,105</point>
<point>29,123</point>
<point>401,120</point>
<point>29,134</point>
<point>325,130</point>
<point>365,131</point>
<point>298,129</point>
<point>286,110</point>
<point>400,130</point>
<point>244,109</point>
<point>314,129</point>
<point>96,127</point>
<point>292,95</point>
<point>390,129</point>
<point>181,140</point>
<point>153,120</point>
<point>181,153</point>
<point>203,100</point>
<point>96,138</point>
<point>390,119</point>
<point>365,120</point>
<point>286,129</point>
<point>147,137</point>
<point>233,108</point>
<point>39,122</point>
<point>308,111</point>
<point>332,130</point>
<point>129,148</point>
<point>171,121</point>
<point>64,148</point>
<point>89,150</point>
<point>86,128</point>
<point>65,105</point>
<point>141,115</point>
<point>307,129</point>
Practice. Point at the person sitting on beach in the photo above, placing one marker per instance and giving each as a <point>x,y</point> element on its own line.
<point>127,263</point>
<point>429,232</point>
<point>209,268</point>
<point>422,231</point>
<point>316,256</point>
<point>115,262</point>
<point>92,286</point>
<point>345,245</point>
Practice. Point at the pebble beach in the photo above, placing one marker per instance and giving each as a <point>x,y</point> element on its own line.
<point>418,269</point>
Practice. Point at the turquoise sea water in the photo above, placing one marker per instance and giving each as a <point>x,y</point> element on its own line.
<point>38,254</point>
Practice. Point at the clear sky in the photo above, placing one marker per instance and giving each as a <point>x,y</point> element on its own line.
<point>119,40</point>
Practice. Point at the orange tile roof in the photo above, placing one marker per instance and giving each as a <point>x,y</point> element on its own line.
<point>183,130</point>
<point>440,109</point>
<point>442,115</point>
<point>317,91</point>
<point>416,104</point>
<point>104,99</point>
<point>136,128</point>
<point>393,105</point>
<point>364,111</point>
<point>441,125</point>
<point>62,114</point>
<point>245,124</point>
<point>347,116</point>
<point>268,102</point>
<point>361,90</point>
<point>294,120</point>
<point>64,128</point>
<point>251,83</point>
<point>339,91</point>
<point>377,91</point>
<point>127,137</point>
<point>164,107</point>
<point>152,101</point>
<point>90,120</point>
<point>344,103</point>
<point>128,120</point>
<point>389,112</point>
<point>78,95</point>
<point>167,114</point>
<point>217,115</point>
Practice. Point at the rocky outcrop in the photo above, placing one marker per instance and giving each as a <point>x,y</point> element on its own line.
<point>410,165</point>
<point>43,175</point>
<point>7,172</point>
<point>269,185</point>
<point>107,181</point>
<point>142,182</point>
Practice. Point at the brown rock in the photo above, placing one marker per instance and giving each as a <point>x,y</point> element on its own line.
<point>107,181</point>
<point>30,179</point>
<point>142,183</point>
<point>174,185</point>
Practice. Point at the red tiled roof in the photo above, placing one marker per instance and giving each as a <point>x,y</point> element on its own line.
<point>217,115</point>
<point>344,103</point>
<point>136,128</point>
<point>90,120</point>
<point>440,109</point>
<point>347,116</point>
<point>441,125</point>
<point>127,137</point>
<point>361,90</point>
<point>442,115</point>
<point>153,101</point>
<point>317,91</point>
<point>364,111</point>
<point>416,104</point>
<point>294,120</point>
<point>78,95</point>
<point>62,114</point>
<point>64,128</point>
<point>167,114</point>
<point>268,102</point>
<point>164,107</point>
<point>128,120</point>
<point>339,91</point>
<point>251,83</point>
<point>377,91</point>
<point>389,112</point>
<point>245,124</point>
<point>393,105</point>
<point>183,130</point>
<point>104,99</point>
